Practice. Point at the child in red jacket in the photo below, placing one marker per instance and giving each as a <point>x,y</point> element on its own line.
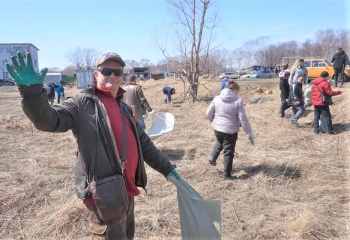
<point>319,87</point>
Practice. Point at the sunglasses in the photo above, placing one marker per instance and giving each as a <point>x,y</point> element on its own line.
<point>108,72</point>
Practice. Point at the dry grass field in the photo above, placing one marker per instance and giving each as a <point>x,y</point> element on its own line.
<point>292,184</point>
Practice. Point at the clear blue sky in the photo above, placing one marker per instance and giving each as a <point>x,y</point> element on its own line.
<point>125,26</point>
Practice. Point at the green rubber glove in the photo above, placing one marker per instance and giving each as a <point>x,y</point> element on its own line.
<point>176,174</point>
<point>24,74</point>
<point>251,139</point>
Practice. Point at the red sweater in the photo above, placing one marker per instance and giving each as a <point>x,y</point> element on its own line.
<point>114,115</point>
<point>325,87</point>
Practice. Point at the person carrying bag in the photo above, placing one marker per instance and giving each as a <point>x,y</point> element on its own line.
<point>321,98</point>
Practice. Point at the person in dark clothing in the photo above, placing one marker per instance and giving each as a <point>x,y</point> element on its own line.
<point>167,92</point>
<point>285,88</point>
<point>111,143</point>
<point>50,94</point>
<point>339,61</point>
<point>321,110</point>
<point>296,99</point>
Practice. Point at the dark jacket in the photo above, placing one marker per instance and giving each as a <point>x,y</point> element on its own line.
<point>339,60</point>
<point>84,115</point>
<point>296,94</point>
<point>168,91</point>
<point>321,85</point>
<point>50,93</point>
<point>284,87</point>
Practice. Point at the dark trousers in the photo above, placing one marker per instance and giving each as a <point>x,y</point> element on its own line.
<point>338,71</point>
<point>284,105</point>
<point>123,228</point>
<point>226,142</point>
<point>324,113</point>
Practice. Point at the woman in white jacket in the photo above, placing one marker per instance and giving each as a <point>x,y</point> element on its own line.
<point>226,114</point>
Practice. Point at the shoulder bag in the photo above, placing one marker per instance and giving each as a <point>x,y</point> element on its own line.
<point>326,99</point>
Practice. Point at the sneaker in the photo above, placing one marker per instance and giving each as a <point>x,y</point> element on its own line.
<point>333,132</point>
<point>316,132</point>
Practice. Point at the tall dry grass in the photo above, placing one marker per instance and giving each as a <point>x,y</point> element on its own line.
<point>291,184</point>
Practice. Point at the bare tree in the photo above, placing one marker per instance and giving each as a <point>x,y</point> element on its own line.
<point>82,58</point>
<point>344,39</point>
<point>69,71</point>
<point>145,63</point>
<point>328,42</point>
<point>193,33</point>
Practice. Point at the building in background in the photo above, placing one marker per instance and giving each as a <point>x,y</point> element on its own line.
<point>55,78</point>
<point>141,72</point>
<point>84,78</point>
<point>7,50</point>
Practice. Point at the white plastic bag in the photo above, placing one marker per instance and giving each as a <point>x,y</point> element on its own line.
<point>307,95</point>
<point>199,218</point>
<point>164,123</point>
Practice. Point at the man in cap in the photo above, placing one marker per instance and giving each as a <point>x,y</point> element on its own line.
<point>110,141</point>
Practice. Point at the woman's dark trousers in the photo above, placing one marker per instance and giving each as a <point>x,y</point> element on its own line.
<point>226,142</point>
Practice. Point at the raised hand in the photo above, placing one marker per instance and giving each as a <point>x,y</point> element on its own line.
<point>24,74</point>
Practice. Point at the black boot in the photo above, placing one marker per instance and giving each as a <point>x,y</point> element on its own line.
<point>212,161</point>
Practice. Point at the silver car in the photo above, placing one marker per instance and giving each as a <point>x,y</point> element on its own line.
<point>229,75</point>
<point>7,82</point>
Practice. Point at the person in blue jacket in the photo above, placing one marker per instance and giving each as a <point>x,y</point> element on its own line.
<point>224,83</point>
<point>60,91</point>
<point>168,91</point>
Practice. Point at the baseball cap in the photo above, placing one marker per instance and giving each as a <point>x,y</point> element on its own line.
<point>109,56</point>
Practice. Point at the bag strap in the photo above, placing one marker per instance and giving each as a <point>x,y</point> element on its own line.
<point>125,139</point>
<point>319,90</point>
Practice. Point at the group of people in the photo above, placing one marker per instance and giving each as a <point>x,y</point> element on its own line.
<point>51,88</point>
<point>107,121</point>
<point>292,95</point>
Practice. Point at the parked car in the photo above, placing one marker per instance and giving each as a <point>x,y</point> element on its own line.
<point>247,75</point>
<point>262,74</point>
<point>7,82</point>
<point>229,75</point>
<point>317,65</point>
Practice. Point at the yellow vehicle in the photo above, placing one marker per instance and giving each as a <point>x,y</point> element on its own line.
<point>317,65</point>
